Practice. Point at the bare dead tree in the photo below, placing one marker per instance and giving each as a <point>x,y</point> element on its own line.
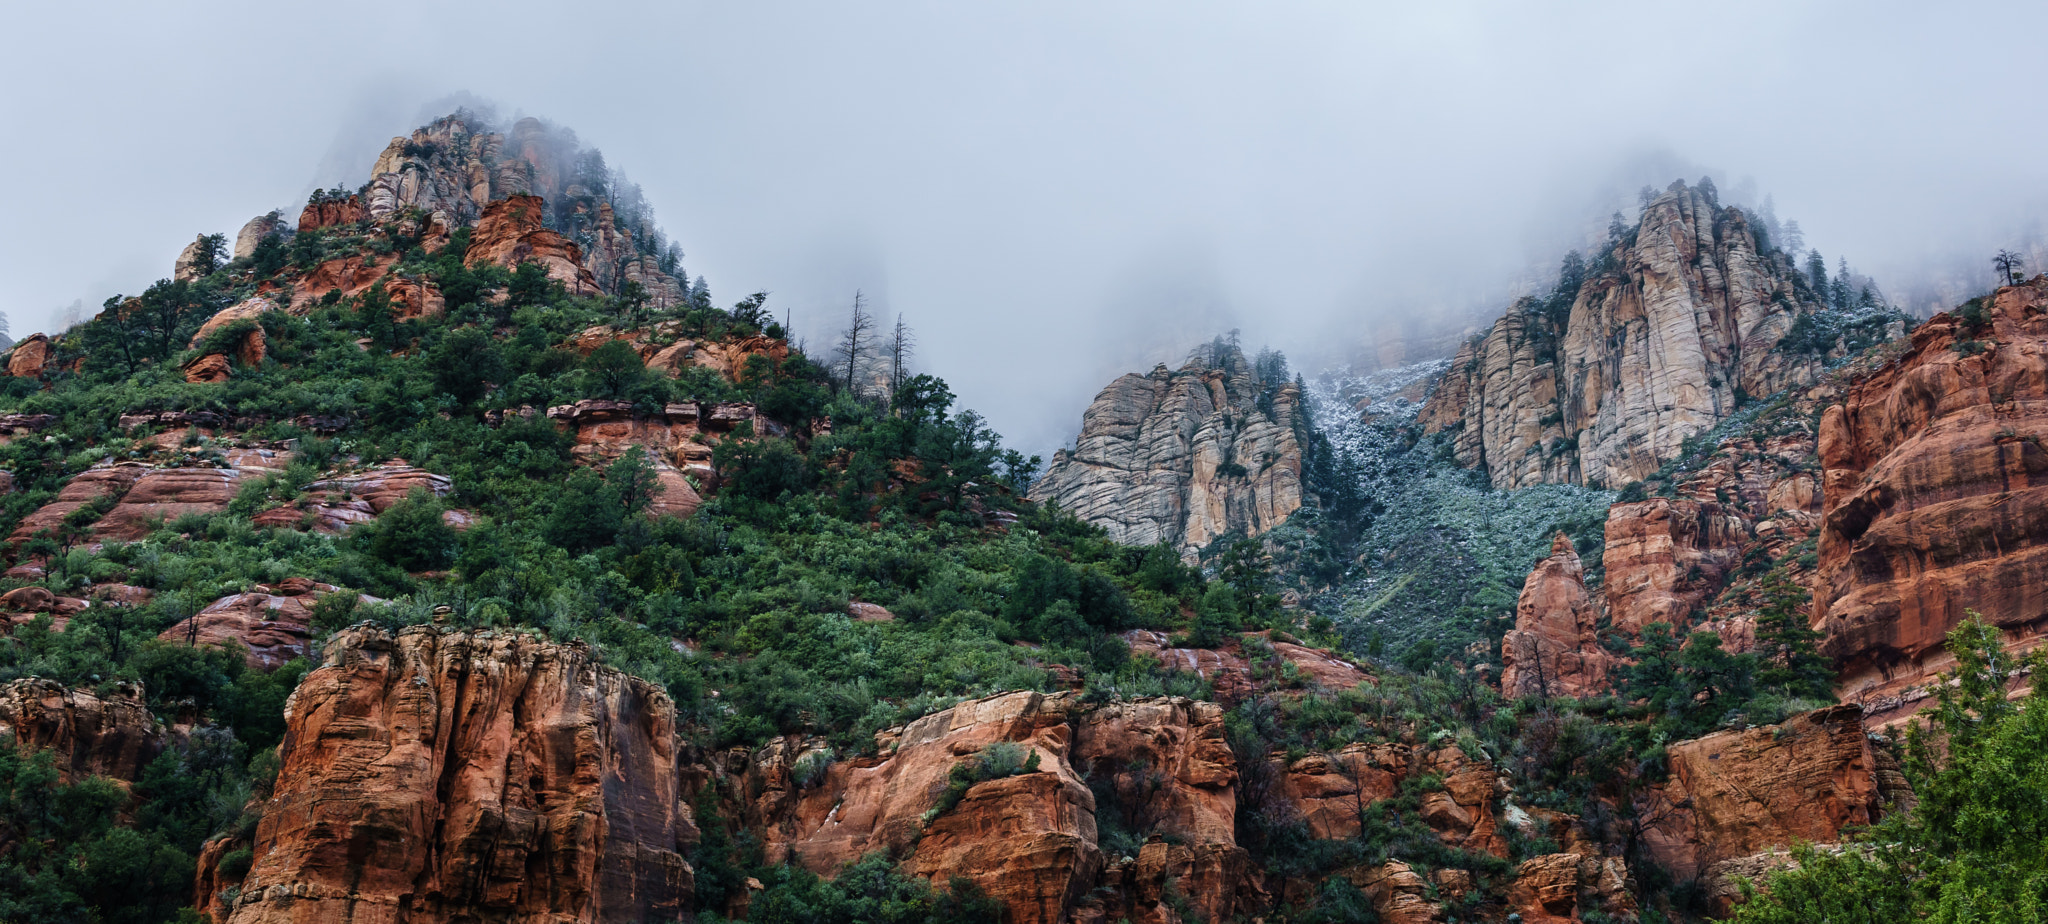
<point>850,342</point>
<point>2011,267</point>
<point>902,343</point>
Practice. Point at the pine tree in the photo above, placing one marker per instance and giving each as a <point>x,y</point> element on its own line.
<point>1817,273</point>
<point>1786,646</point>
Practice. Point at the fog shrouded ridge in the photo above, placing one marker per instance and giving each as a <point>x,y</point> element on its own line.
<point>1053,194</point>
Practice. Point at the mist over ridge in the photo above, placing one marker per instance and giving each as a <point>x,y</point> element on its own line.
<point>1057,195</point>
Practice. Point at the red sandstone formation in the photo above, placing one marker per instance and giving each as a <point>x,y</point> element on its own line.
<point>510,233</point>
<point>1737,793</point>
<point>1166,763</point>
<point>1666,556</point>
<point>1029,840</point>
<point>443,777</point>
<point>271,624</point>
<point>1554,649</point>
<point>29,357</point>
<point>1936,483</point>
<point>328,213</point>
<point>114,737</point>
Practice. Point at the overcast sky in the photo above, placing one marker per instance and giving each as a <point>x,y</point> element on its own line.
<point>1051,193</point>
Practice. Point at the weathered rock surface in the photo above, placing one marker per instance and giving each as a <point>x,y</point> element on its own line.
<point>1557,888</point>
<point>331,213</point>
<point>268,225</point>
<point>1330,791</point>
<point>1028,840</point>
<point>1935,486</point>
<point>511,232</point>
<point>271,624</point>
<point>1554,649</point>
<point>114,737</point>
<point>1183,457</point>
<point>1738,793</point>
<point>1649,355</point>
<point>250,350</point>
<point>450,776</point>
<point>29,357</point>
<point>1665,556</point>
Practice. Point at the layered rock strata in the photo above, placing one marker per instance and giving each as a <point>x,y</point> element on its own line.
<point>452,776</point>
<point>1653,351</point>
<point>1935,484</point>
<point>1183,457</point>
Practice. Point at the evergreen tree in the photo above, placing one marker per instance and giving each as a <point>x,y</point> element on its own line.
<point>1970,850</point>
<point>1817,273</point>
<point>1786,646</point>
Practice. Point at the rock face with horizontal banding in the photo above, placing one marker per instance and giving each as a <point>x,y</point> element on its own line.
<point>1935,496</point>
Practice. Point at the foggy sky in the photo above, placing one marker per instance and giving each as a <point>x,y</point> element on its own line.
<point>1052,193</point>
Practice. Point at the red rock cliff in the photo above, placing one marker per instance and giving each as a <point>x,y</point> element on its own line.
<point>1935,486</point>
<point>453,776</point>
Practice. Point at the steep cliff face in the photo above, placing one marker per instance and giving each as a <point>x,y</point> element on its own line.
<point>1554,649</point>
<point>1183,457</point>
<point>1657,347</point>
<point>456,776</point>
<point>92,735</point>
<point>1936,499</point>
<point>1738,793</point>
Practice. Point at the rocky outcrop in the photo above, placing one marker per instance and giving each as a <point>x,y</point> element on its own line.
<point>1655,350</point>
<point>1935,484</point>
<point>1554,649</point>
<point>1738,793</point>
<point>29,357</point>
<point>1183,457</point>
<point>511,232</point>
<point>253,234</point>
<point>351,275</point>
<point>664,349</point>
<point>114,736</point>
<point>250,350</point>
<point>331,212</point>
<point>1329,792</point>
<point>270,624</point>
<point>83,488</point>
<point>1666,556</point>
<point>188,268</point>
<point>451,776</point>
<point>1028,840</point>
<point>1558,888</point>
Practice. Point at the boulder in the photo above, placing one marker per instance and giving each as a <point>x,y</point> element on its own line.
<point>29,357</point>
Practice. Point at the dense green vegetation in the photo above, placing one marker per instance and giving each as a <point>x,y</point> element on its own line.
<point>1970,850</point>
<point>903,501</point>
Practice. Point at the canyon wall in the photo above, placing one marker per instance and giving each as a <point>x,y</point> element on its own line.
<point>463,776</point>
<point>1935,485</point>
<point>1660,344</point>
<point>1183,457</point>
